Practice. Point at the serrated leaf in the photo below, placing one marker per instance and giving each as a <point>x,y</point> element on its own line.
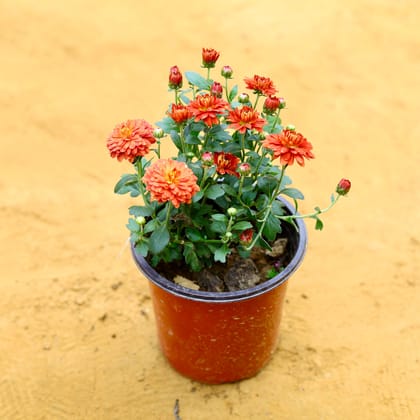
<point>277,208</point>
<point>142,248</point>
<point>159,239</point>
<point>214,192</point>
<point>133,226</point>
<point>167,124</point>
<point>191,257</point>
<point>127,184</point>
<point>243,225</point>
<point>293,193</point>
<point>198,80</point>
<point>140,211</point>
<point>221,253</point>
<point>271,228</point>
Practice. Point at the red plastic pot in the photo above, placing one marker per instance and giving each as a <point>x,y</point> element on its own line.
<point>217,337</point>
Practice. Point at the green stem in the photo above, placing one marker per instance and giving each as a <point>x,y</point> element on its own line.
<point>275,121</point>
<point>140,174</point>
<point>226,89</point>
<point>208,73</point>
<point>268,210</point>
<point>168,213</point>
<point>243,147</point>
<point>256,100</point>
<point>317,211</point>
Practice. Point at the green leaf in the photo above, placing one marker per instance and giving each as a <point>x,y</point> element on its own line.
<point>167,124</point>
<point>267,183</point>
<point>233,93</point>
<point>159,239</point>
<point>133,226</point>
<point>198,80</point>
<point>197,196</point>
<point>293,193</point>
<point>193,234</point>
<point>128,184</point>
<point>214,192</point>
<point>150,226</point>
<point>191,257</point>
<point>277,208</point>
<point>219,217</point>
<point>142,248</point>
<point>243,225</point>
<point>271,228</point>
<point>140,211</point>
<point>221,253</point>
<point>318,224</point>
<point>218,227</point>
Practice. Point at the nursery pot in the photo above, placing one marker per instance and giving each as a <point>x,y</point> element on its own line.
<point>217,337</point>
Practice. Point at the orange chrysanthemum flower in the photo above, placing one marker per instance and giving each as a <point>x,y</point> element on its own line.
<point>180,113</point>
<point>288,146</point>
<point>245,118</point>
<point>170,180</point>
<point>261,85</point>
<point>226,163</point>
<point>206,108</point>
<point>130,139</point>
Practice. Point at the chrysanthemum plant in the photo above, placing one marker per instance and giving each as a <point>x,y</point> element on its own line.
<point>219,193</point>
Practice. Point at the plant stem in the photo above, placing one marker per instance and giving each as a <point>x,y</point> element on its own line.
<point>310,215</point>
<point>275,121</point>
<point>268,210</point>
<point>256,100</point>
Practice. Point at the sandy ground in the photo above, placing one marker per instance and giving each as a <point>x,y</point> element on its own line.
<point>77,333</point>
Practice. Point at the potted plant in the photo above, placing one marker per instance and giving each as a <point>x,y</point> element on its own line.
<point>217,229</point>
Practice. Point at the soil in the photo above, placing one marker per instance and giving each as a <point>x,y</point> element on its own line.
<point>77,328</point>
<point>236,274</point>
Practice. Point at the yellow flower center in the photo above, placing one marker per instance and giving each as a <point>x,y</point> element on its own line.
<point>126,132</point>
<point>172,176</point>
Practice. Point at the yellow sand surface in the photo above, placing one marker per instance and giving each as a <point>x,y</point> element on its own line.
<point>77,332</point>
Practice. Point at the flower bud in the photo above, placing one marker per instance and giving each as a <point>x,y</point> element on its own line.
<point>231,211</point>
<point>190,155</point>
<point>343,187</point>
<point>141,220</point>
<point>228,235</point>
<point>282,103</point>
<point>207,158</point>
<point>291,127</point>
<point>209,56</point>
<point>245,238</point>
<point>244,168</point>
<point>216,89</point>
<point>175,78</point>
<point>158,133</point>
<point>227,72</point>
<point>243,98</point>
<point>271,104</point>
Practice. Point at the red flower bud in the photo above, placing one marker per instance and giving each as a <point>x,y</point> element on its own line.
<point>210,57</point>
<point>216,89</point>
<point>207,158</point>
<point>271,104</point>
<point>175,78</point>
<point>244,168</point>
<point>227,72</point>
<point>343,187</point>
<point>245,238</point>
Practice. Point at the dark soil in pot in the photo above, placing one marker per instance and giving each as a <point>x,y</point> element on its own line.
<point>236,274</point>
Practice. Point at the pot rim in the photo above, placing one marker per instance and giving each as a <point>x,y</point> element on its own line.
<point>222,297</point>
